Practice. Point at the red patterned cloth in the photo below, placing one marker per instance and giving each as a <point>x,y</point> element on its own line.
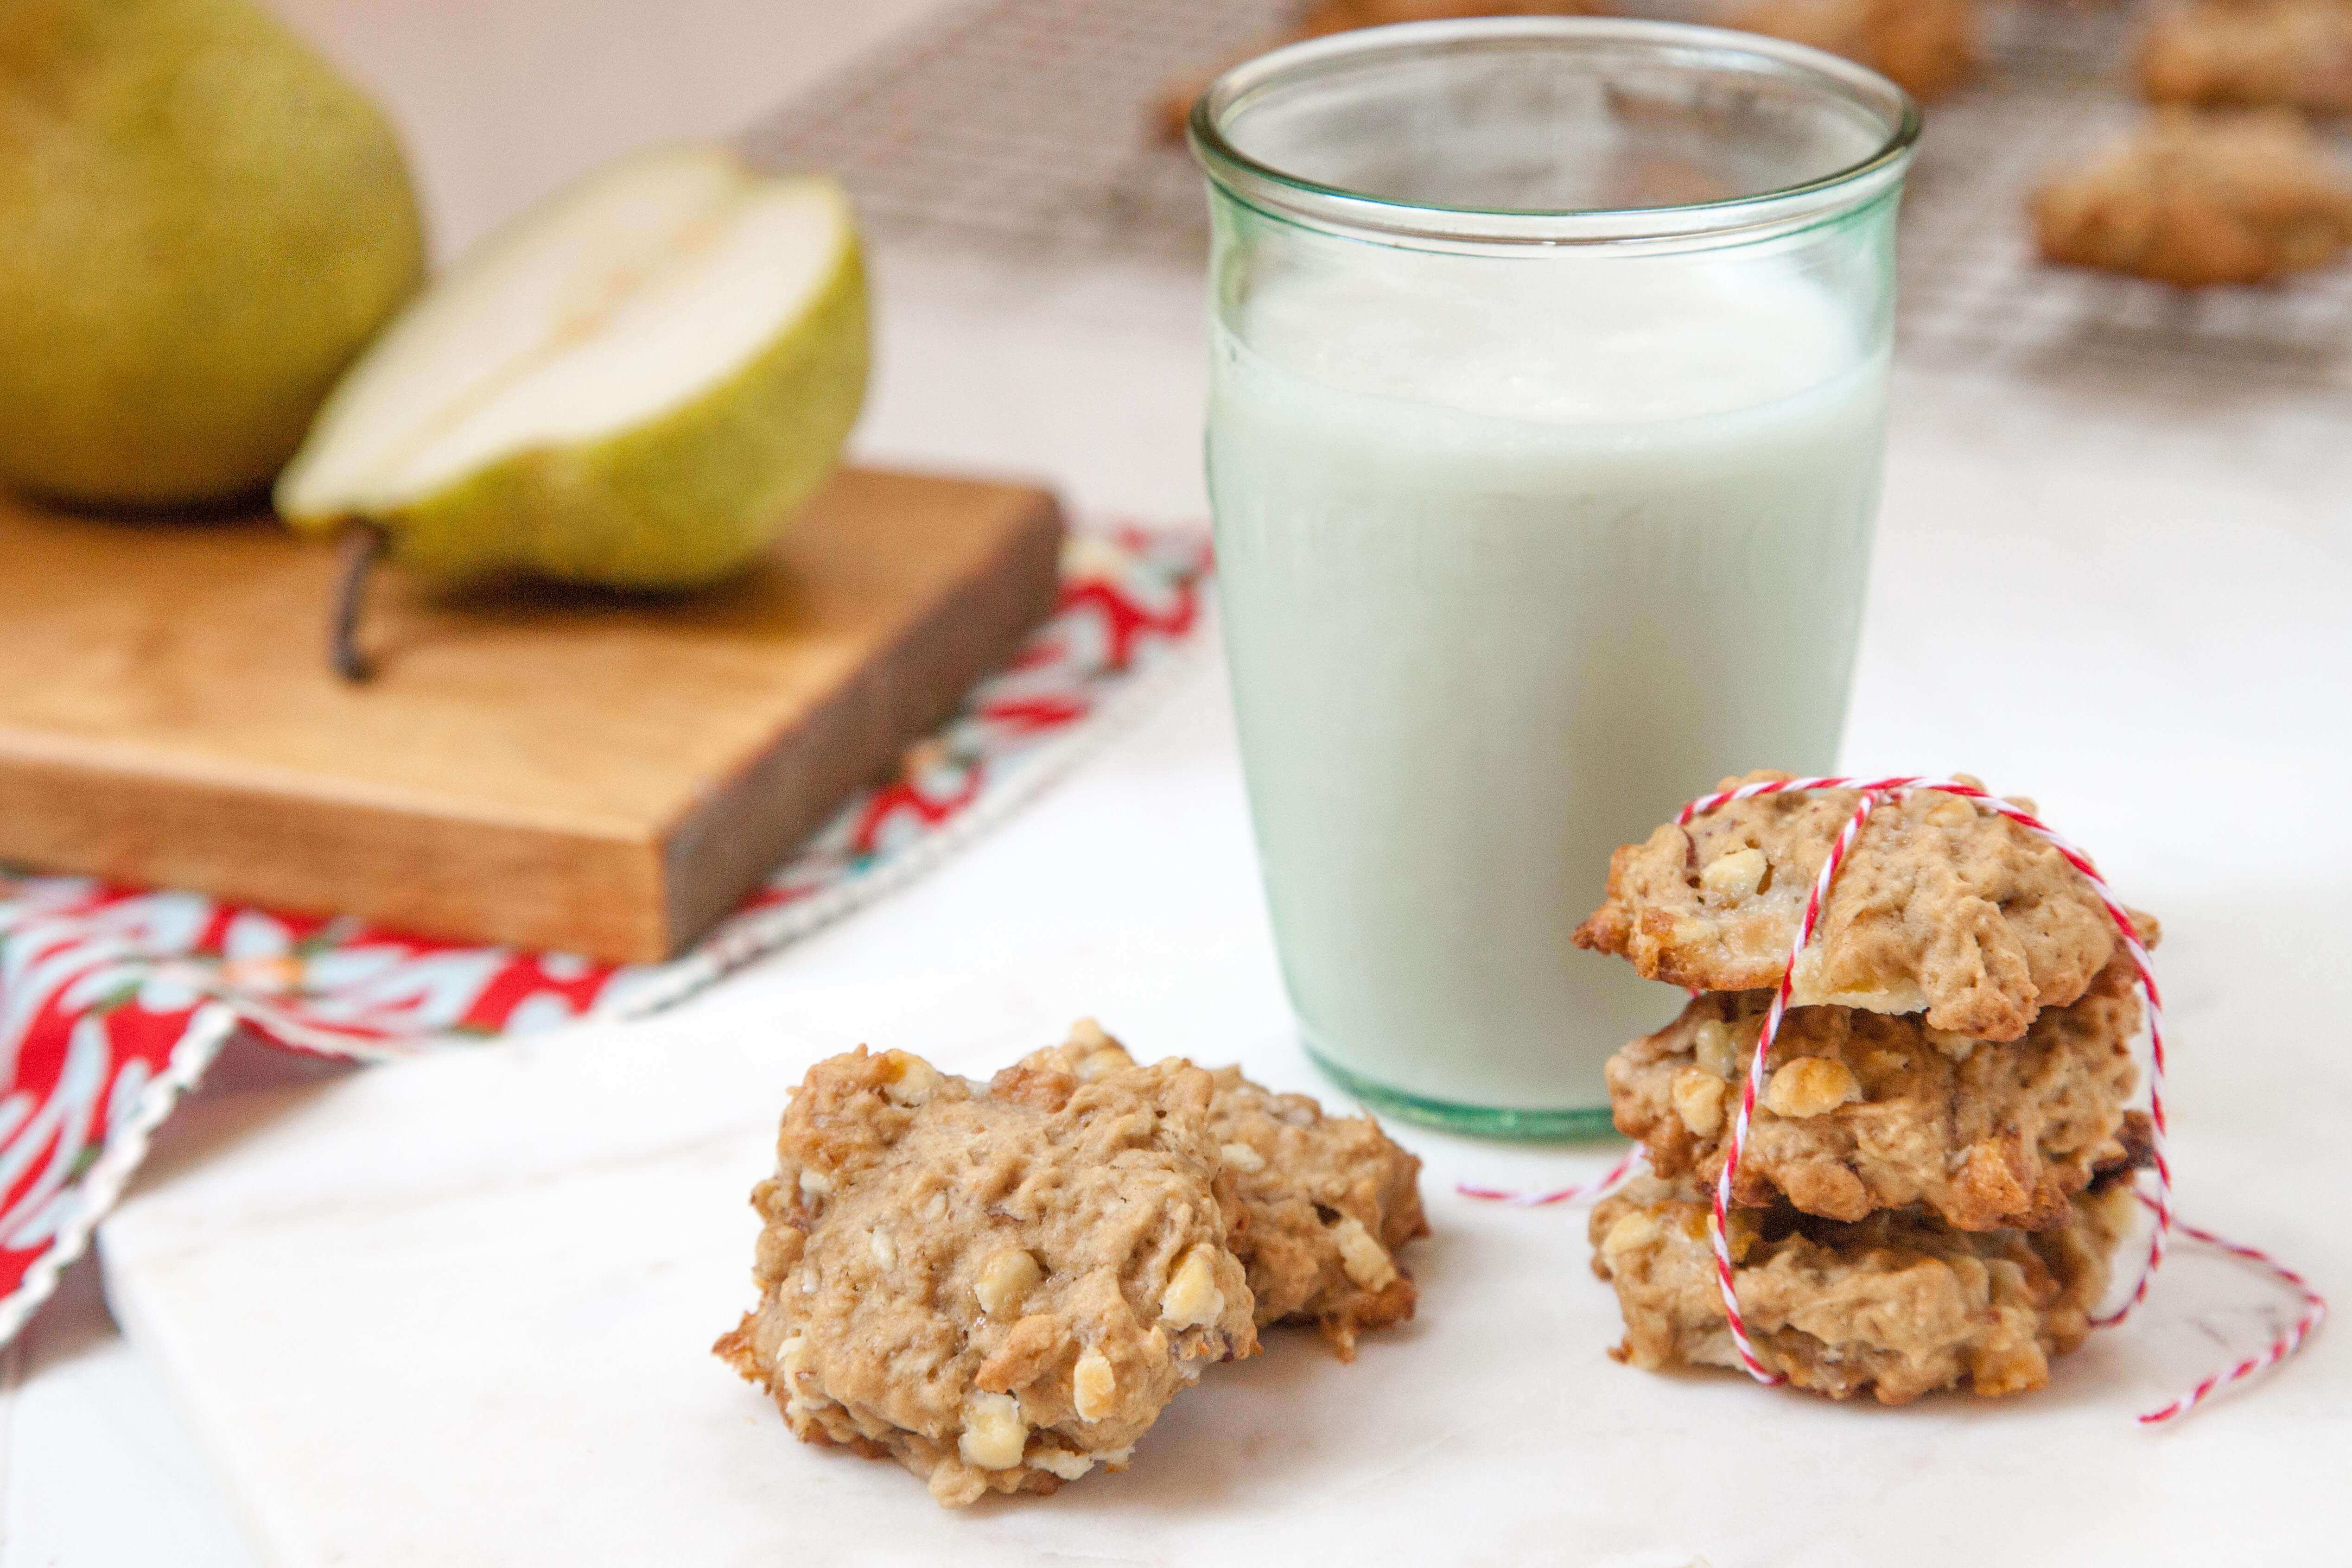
<point>113,1000</point>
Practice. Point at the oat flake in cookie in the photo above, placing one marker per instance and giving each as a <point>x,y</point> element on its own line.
<point>1328,1201</point>
<point>1939,908</point>
<point>1000,1288</point>
<point>1864,1111</point>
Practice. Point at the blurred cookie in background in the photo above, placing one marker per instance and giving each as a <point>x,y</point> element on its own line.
<point>1327,16</point>
<point>2297,53</point>
<point>2198,199</point>
<point>1924,47</point>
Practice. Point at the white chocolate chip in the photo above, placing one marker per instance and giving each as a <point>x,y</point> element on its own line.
<point>1632,1231</point>
<point>1093,1386</point>
<point>815,1185</point>
<point>1004,1280</point>
<point>1192,1296</point>
<point>935,1207</point>
<point>1737,873</point>
<point>808,1280</point>
<point>1104,1055</point>
<point>993,1432</point>
<point>1711,1044</point>
<point>885,1250</point>
<point>1698,1100</point>
<point>1365,1260</point>
<point>909,1079</point>
<point>792,1362</point>
<point>1952,812</point>
<point>1102,1064</point>
<point>1811,1086</point>
<point>1060,1462</point>
<point>1242,1157</point>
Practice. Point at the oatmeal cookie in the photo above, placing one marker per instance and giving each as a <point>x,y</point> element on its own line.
<point>1328,1201</point>
<point>1866,1110</point>
<point>1899,1304</point>
<point>1939,908</point>
<point>1000,1287</point>
<point>1924,47</point>
<point>2198,199</point>
<point>2290,53</point>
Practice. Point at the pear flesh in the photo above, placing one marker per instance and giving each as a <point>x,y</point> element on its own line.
<point>633,386</point>
<point>201,224</point>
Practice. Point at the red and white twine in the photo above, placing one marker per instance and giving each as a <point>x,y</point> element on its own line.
<point>2315,1308</point>
<point>1605,1182</point>
<point>1876,792</point>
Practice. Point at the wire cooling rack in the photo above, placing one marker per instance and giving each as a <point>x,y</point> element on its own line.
<point>2057,86</point>
<point>1035,125</point>
<point>1027,123</point>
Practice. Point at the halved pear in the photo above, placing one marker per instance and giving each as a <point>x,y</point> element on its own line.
<point>634,384</point>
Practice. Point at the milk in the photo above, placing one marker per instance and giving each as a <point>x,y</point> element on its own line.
<point>1516,558</point>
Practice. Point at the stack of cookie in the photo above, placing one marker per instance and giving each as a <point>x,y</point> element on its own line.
<point>1002,1285</point>
<point>1938,1174</point>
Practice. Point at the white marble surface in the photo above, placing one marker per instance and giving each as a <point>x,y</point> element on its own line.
<point>510,1327</point>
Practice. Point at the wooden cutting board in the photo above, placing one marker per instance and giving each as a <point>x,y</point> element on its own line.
<point>579,772</point>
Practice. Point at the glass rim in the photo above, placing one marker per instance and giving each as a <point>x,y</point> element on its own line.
<point>1761,214</point>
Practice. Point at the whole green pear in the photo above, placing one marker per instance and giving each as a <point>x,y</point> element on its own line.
<point>201,224</point>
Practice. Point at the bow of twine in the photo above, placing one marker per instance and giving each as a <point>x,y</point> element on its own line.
<point>1876,792</point>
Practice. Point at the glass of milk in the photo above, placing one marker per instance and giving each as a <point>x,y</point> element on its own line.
<point>1544,439</point>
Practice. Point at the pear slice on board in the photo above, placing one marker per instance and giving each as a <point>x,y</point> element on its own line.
<point>634,384</point>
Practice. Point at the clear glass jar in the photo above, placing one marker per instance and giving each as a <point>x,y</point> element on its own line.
<point>1544,443</point>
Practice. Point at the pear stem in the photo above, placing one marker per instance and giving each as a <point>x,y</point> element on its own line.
<point>362,543</point>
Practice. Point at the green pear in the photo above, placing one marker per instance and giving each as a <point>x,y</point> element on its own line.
<point>634,384</point>
<point>201,224</point>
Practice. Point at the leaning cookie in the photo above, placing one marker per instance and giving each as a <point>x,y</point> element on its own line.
<point>2200,199</point>
<point>1329,1202</point>
<point>1940,906</point>
<point>999,1288</point>
<point>1865,1111</point>
<point>1898,1306</point>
